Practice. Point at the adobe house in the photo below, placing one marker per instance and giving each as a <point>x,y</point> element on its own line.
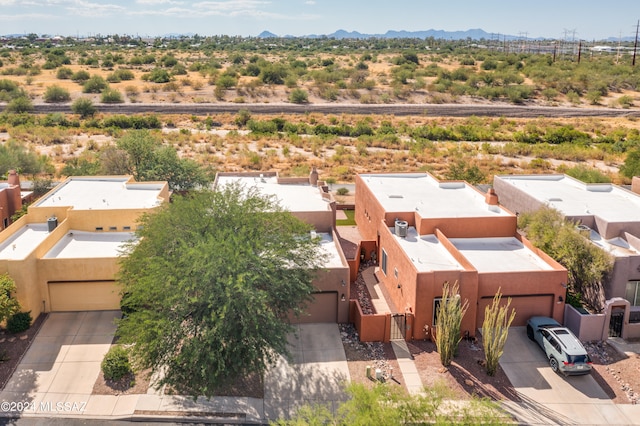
<point>309,200</point>
<point>63,254</point>
<point>10,198</point>
<point>429,232</point>
<point>609,215</point>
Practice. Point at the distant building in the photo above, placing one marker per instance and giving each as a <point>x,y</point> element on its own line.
<point>63,254</point>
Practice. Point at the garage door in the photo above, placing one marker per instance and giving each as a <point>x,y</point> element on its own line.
<point>525,306</point>
<point>324,308</point>
<point>84,296</point>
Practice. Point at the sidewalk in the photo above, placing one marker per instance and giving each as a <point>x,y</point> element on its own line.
<point>405,360</point>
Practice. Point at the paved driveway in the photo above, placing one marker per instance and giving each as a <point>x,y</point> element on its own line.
<point>58,372</point>
<point>550,398</point>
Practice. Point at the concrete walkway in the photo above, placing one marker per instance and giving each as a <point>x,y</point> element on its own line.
<point>400,349</point>
<point>58,372</point>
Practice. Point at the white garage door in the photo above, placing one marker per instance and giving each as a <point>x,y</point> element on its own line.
<point>525,306</point>
<point>84,296</point>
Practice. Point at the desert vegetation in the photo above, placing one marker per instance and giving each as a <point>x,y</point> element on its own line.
<point>298,71</point>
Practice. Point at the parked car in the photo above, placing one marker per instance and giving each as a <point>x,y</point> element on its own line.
<point>564,351</point>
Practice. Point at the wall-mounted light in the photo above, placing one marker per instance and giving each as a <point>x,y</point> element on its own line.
<point>399,285</point>
<point>564,285</point>
<point>343,283</point>
<point>344,299</point>
<point>560,299</point>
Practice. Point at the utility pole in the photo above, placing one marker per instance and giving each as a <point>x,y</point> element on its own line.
<point>635,45</point>
<point>579,50</point>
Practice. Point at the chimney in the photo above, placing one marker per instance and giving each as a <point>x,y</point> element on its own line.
<point>13,178</point>
<point>313,177</point>
<point>491,198</point>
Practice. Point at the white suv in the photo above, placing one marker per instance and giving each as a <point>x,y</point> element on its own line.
<point>565,352</point>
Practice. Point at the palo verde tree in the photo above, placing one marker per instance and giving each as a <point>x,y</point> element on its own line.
<point>495,330</point>
<point>587,265</point>
<point>8,304</point>
<point>209,287</point>
<point>448,322</point>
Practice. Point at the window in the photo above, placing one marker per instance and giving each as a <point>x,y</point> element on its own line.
<point>633,293</point>
<point>384,262</point>
<point>436,308</point>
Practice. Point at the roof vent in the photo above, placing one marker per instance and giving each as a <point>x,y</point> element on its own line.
<point>401,228</point>
<point>395,196</point>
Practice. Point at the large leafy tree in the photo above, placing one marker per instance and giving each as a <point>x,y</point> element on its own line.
<point>209,287</point>
<point>587,264</point>
<point>149,159</point>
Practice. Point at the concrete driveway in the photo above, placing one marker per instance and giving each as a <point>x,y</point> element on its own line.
<point>58,372</point>
<point>550,398</point>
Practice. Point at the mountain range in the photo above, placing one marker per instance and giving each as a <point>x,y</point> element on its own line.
<point>472,34</point>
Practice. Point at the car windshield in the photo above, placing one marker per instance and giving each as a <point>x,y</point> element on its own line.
<point>578,359</point>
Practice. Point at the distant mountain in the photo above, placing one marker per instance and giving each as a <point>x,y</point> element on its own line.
<point>267,34</point>
<point>473,34</point>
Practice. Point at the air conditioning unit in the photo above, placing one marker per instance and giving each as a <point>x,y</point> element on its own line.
<point>401,228</point>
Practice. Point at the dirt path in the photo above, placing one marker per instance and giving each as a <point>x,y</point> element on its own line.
<point>431,110</point>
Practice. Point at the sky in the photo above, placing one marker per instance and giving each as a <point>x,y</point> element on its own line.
<point>570,19</point>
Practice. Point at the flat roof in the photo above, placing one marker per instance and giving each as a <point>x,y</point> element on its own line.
<point>615,246</point>
<point>293,197</point>
<point>328,247</point>
<point>427,253</point>
<point>420,192</point>
<point>499,254</point>
<point>24,241</point>
<point>574,198</point>
<point>80,244</point>
<point>103,193</point>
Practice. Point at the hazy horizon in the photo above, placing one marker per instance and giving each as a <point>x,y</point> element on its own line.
<point>586,20</point>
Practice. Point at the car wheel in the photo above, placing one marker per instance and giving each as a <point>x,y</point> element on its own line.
<point>530,332</point>
<point>554,364</point>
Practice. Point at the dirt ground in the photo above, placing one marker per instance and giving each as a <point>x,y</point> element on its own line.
<point>13,348</point>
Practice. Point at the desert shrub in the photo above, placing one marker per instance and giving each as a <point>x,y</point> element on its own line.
<point>19,322</point>
<point>115,364</point>
<point>243,117</point>
<point>84,107</point>
<point>111,96</point>
<point>64,73</point>
<point>81,76</point>
<point>157,75</point>
<point>55,94</point>
<point>299,96</point>
<point>95,84</point>
<point>19,105</point>
<point>342,191</point>
<point>625,101</point>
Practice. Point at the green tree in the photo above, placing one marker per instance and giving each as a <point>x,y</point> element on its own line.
<point>210,284</point>
<point>16,155</point>
<point>462,170</point>
<point>449,319</point>
<point>56,93</point>
<point>387,405</point>
<point>587,265</point>
<point>495,330</point>
<point>149,160</point>
<point>8,304</point>
<point>631,166</point>
<point>83,107</point>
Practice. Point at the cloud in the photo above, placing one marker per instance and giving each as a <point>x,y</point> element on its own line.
<point>156,2</point>
<point>90,9</point>
<point>310,2</point>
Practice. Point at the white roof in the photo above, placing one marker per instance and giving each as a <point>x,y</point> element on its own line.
<point>24,241</point>
<point>499,254</point>
<point>79,244</point>
<point>328,247</point>
<point>103,194</point>
<point>292,197</point>
<point>574,198</point>
<point>431,199</point>
<point>427,253</point>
